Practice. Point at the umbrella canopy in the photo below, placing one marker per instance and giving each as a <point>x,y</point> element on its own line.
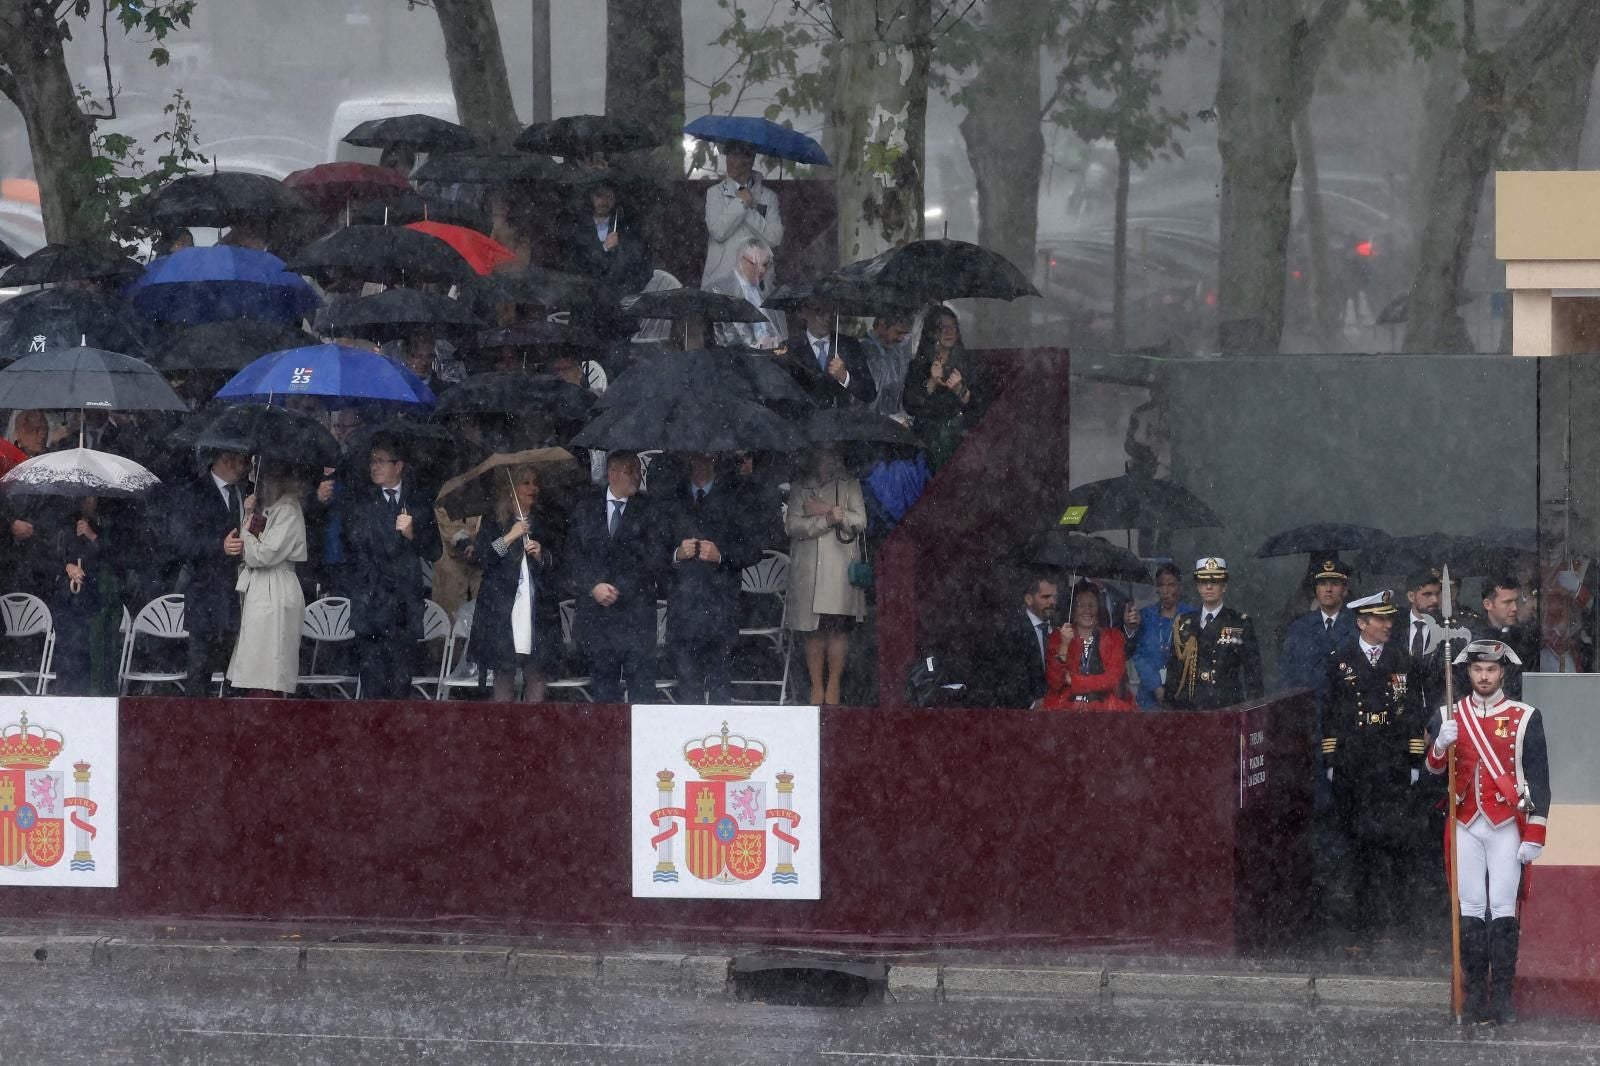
<point>859,424</point>
<point>430,450</point>
<point>56,263</point>
<point>489,168</point>
<point>1466,556</point>
<point>1085,556</point>
<point>78,472</point>
<point>66,378</point>
<point>408,207</point>
<point>218,283</point>
<point>273,433</point>
<point>220,200</point>
<point>684,303</point>
<point>482,253</point>
<point>935,270</point>
<point>330,371</point>
<point>8,254</point>
<point>513,393</point>
<point>387,255</point>
<point>420,133</point>
<point>714,372</point>
<point>575,136</point>
<point>465,484</point>
<point>766,136</point>
<point>1133,501</point>
<point>551,289</point>
<point>396,313</point>
<point>538,333</point>
<point>331,186</point>
<point>231,345</point>
<point>1320,537</point>
<point>844,296</point>
<point>693,422</point>
<point>64,317</point>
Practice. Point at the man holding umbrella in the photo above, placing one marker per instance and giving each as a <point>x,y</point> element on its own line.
<point>207,520</point>
<point>826,364</point>
<point>389,532</point>
<point>738,207</point>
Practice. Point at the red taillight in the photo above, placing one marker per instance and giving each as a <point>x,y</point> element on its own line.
<point>1295,275</point>
<point>1211,298</point>
<point>1365,249</point>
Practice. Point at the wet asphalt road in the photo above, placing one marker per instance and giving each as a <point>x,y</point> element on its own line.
<point>75,1017</point>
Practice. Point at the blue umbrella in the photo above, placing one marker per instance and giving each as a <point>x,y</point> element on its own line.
<point>335,372</point>
<point>221,283</point>
<point>766,136</point>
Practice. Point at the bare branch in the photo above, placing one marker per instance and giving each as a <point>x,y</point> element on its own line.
<point>958,20</point>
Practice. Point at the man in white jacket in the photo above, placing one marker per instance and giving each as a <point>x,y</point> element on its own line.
<point>738,207</point>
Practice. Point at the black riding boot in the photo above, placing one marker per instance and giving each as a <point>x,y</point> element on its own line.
<point>1505,937</point>
<point>1475,968</point>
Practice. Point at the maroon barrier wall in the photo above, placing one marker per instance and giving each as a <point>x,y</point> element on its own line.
<point>940,577</point>
<point>1558,971</point>
<point>943,827</point>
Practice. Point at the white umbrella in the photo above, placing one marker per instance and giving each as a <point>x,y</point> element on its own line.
<point>78,472</point>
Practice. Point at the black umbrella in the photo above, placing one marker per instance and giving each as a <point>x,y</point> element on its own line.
<point>716,372</point>
<point>535,334</point>
<point>513,393</point>
<point>551,289</point>
<point>432,451</point>
<point>397,313</point>
<point>387,255</point>
<point>842,295</point>
<point>574,136</point>
<point>684,303</point>
<point>220,199</point>
<point>857,424</point>
<point>63,317</point>
<point>490,168</point>
<point>1133,501</point>
<point>411,207</point>
<point>229,346</point>
<point>55,263</point>
<point>68,378</point>
<point>420,133</point>
<point>1085,556</point>
<point>273,433</point>
<point>1467,556</point>
<point>700,423</point>
<point>935,270</point>
<point>1320,537</point>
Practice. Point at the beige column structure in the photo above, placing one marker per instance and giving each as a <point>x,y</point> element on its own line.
<point>1547,230</point>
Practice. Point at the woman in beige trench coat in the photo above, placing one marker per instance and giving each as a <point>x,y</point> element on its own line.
<point>267,655</point>
<point>826,517</point>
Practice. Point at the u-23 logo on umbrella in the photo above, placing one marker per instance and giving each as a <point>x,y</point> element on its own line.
<point>301,376</point>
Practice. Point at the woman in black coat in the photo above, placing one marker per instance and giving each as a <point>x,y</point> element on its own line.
<point>939,385</point>
<point>516,624</point>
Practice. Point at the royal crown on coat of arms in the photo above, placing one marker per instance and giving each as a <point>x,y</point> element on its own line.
<point>35,808</point>
<point>728,757</point>
<point>28,747</point>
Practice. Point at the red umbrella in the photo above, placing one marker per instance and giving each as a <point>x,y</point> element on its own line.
<point>484,253</point>
<point>10,456</point>
<point>333,186</point>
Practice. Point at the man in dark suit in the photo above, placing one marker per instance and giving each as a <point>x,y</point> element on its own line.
<point>831,367</point>
<point>1502,596</point>
<point>1010,670</point>
<point>205,519</point>
<point>389,532</point>
<point>711,544</point>
<point>617,548</point>
<point>1215,661</point>
<point>605,244</point>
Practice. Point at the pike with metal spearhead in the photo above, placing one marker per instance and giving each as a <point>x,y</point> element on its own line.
<point>1450,632</point>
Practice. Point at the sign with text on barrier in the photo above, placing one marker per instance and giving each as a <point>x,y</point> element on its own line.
<point>58,791</point>
<point>726,802</point>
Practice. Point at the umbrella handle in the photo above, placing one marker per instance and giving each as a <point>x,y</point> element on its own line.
<point>74,584</point>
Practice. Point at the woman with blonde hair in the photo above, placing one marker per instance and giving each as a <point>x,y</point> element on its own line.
<point>826,517</point>
<point>515,625</point>
<point>266,658</point>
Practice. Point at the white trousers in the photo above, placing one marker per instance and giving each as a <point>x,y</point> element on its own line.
<point>1487,869</point>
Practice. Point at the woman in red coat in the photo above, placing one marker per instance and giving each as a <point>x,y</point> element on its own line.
<point>1086,662</point>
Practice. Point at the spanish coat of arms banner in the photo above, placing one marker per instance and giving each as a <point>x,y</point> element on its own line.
<point>725,802</point>
<point>58,791</point>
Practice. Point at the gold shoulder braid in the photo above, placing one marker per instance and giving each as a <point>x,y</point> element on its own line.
<point>1188,650</point>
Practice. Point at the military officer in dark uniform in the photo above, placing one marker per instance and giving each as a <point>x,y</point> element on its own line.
<point>1215,660</point>
<point>1314,634</point>
<point>1372,745</point>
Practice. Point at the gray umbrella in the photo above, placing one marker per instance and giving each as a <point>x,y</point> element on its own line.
<point>65,378</point>
<point>78,472</point>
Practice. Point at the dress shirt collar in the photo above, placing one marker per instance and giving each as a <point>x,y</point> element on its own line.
<point>1369,649</point>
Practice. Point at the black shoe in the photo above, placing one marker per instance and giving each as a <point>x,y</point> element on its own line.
<point>1505,937</point>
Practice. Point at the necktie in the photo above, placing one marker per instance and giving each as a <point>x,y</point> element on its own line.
<point>236,504</point>
<point>1044,633</point>
<point>394,500</point>
<point>1419,641</point>
<point>616,517</point>
<point>822,354</point>
<point>699,497</point>
<point>1327,624</point>
<point>1205,620</point>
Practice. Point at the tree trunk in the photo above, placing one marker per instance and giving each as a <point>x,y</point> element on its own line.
<point>478,69</point>
<point>644,71</point>
<point>1005,146</point>
<point>34,76</point>
<point>1318,287</point>
<point>1119,256</point>
<point>1476,130</point>
<point>880,110</point>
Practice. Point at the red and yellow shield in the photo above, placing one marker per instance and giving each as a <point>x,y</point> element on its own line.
<point>31,817</point>
<point>727,839</point>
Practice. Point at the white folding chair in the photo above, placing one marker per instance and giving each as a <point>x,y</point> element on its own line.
<point>160,619</point>
<point>435,626</point>
<point>327,621</point>
<point>458,670</point>
<point>25,616</point>
<point>769,577</point>
<point>663,686</point>
<point>569,648</point>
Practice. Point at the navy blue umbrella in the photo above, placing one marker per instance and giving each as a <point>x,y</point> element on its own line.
<point>219,283</point>
<point>767,137</point>
<point>336,373</point>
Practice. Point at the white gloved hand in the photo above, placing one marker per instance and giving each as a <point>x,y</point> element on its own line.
<point>1527,852</point>
<point>1447,736</point>
<point>1330,773</point>
<point>1415,775</point>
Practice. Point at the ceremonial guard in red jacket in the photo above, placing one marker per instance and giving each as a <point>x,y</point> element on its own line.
<point>1502,801</point>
